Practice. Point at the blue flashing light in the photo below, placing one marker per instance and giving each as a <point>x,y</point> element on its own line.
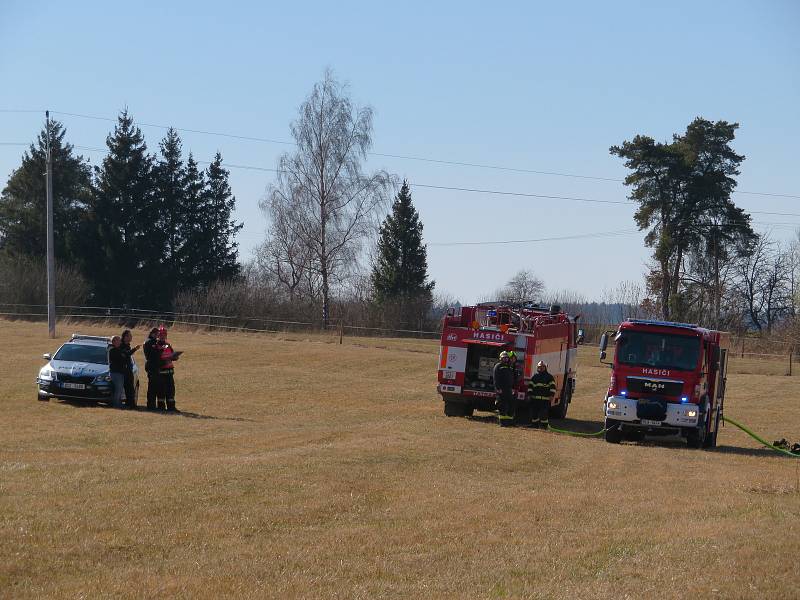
<point>684,400</point>
<point>623,393</point>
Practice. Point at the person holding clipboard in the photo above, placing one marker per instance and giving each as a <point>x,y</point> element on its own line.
<point>165,397</point>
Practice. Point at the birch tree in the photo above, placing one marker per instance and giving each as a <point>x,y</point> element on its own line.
<point>333,203</point>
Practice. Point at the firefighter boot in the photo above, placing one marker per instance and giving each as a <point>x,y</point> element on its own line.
<point>505,420</point>
<point>171,406</point>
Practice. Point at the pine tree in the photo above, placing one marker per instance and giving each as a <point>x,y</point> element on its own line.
<point>400,275</point>
<point>23,227</point>
<point>121,243</point>
<point>216,243</point>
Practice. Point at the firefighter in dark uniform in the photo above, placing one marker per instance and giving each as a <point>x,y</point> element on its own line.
<point>541,389</point>
<point>165,398</point>
<point>505,380</point>
<point>151,364</point>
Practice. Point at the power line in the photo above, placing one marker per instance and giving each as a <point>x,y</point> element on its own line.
<point>385,155</point>
<point>519,194</point>
<point>547,239</point>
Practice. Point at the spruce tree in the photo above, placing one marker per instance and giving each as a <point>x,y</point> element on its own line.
<point>168,219</point>
<point>217,243</point>
<point>122,252</point>
<point>193,252</point>
<point>400,274</point>
<point>23,227</point>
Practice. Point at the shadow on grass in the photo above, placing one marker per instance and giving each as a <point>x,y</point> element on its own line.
<point>574,425</point>
<point>159,413</point>
<point>762,452</point>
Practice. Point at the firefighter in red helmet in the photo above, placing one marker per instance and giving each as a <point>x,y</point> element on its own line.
<point>165,396</point>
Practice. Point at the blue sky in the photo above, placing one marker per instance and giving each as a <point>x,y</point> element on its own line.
<point>539,86</point>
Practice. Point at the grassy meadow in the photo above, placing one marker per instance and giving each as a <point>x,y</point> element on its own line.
<point>301,468</point>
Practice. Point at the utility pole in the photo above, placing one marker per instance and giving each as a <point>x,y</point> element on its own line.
<point>51,259</point>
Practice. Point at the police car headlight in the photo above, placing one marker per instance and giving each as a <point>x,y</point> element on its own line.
<point>691,413</point>
<point>104,378</point>
<point>612,405</point>
<point>46,374</point>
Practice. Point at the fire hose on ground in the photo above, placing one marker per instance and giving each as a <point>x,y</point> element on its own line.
<point>726,419</point>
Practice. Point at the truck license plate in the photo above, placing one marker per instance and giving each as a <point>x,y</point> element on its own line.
<point>449,375</point>
<point>74,386</point>
<point>650,422</point>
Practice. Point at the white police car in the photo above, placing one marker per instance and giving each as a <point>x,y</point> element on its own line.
<point>79,370</point>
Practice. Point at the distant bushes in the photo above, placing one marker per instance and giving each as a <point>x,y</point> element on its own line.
<point>23,280</point>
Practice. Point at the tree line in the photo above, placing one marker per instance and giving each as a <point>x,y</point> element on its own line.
<point>346,243</point>
<point>131,231</point>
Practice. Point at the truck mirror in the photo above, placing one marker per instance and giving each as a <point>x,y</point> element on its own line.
<point>579,339</point>
<point>602,354</point>
<point>603,342</point>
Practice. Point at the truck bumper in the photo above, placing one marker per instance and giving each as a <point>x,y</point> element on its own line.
<point>622,409</point>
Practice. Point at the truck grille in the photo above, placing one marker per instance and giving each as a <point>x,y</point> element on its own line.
<point>656,387</point>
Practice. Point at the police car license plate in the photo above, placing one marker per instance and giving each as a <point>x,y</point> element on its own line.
<point>74,386</point>
<point>650,422</point>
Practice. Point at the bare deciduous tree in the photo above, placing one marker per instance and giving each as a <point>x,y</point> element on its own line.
<point>332,204</point>
<point>522,287</point>
<point>285,255</point>
<point>763,283</point>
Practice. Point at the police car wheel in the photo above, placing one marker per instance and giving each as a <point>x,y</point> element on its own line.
<point>42,398</point>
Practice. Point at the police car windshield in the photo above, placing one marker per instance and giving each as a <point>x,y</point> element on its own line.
<point>663,351</point>
<point>83,353</point>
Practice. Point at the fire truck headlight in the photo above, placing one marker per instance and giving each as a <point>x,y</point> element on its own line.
<point>612,405</point>
<point>691,413</point>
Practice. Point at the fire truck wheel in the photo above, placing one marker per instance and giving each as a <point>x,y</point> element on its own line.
<point>559,411</point>
<point>711,438</point>
<point>613,435</point>
<point>456,409</point>
<point>696,438</point>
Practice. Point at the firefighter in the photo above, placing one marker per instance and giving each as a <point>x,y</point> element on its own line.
<point>151,356</point>
<point>167,356</point>
<point>505,379</point>
<point>128,352</point>
<point>541,389</point>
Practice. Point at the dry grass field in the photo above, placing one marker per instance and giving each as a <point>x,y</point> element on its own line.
<point>306,469</point>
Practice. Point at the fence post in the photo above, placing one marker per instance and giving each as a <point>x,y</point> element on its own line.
<point>791,351</point>
<point>341,331</point>
<point>742,347</point>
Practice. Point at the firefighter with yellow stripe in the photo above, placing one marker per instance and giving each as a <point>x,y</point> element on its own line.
<point>505,380</point>
<point>541,389</point>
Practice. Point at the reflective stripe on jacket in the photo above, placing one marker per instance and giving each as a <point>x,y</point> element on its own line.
<point>542,386</point>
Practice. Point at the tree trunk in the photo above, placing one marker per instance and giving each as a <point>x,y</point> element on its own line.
<point>665,290</point>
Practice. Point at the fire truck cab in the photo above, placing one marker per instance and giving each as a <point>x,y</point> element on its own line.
<point>667,379</point>
<point>474,336</point>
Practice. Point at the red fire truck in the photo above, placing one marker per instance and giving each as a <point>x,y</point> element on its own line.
<point>667,379</point>
<point>474,336</point>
